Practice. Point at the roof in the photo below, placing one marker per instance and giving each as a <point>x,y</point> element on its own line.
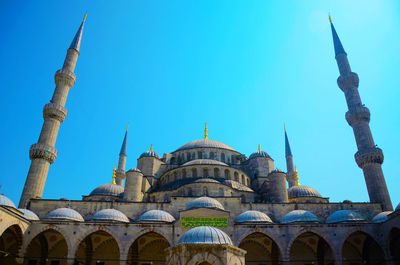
<point>253,217</point>
<point>299,216</point>
<point>397,207</point>
<point>156,216</point>
<point>65,214</point>
<point>5,201</point>
<point>259,154</point>
<point>205,235</point>
<point>150,154</point>
<point>108,190</point>
<point>204,162</point>
<point>302,191</point>
<point>204,143</point>
<point>341,216</point>
<point>204,202</point>
<point>381,217</point>
<point>336,42</point>
<point>76,42</point>
<point>110,215</point>
<point>28,214</point>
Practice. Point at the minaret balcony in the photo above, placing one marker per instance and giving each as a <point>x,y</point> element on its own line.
<point>358,114</point>
<point>55,111</point>
<point>367,156</point>
<point>43,151</point>
<point>65,77</point>
<point>348,81</point>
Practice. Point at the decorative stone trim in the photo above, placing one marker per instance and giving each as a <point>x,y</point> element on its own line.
<point>43,151</point>
<point>370,155</point>
<point>348,81</point>
<point>358,114</point>
<point>65,77</point>
<point>55,111</point>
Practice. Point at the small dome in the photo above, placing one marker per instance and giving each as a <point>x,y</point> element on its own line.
<point>259,154</point>
<point>110,215</point>
<point>156,216</point>
<point>4,201</point>
<point>204,202</point>
<point>344,216</point>
<point>302,191</point>
<point>205,235</point>
<point>381,217</point>
<point>205,143</point>
<point>134,169</point>
<point>108,190</point>
<point>347,201</point>
<point>150,154</point>
<point>277,170</point>
<point>66,214</point>
<point>397,207</point>
<point>204,162</point>
<point>28,214</point>
<point>299,216</point>
<point>253,216</point>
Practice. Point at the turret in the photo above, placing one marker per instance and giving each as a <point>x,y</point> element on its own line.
<point>289,162</point>
<point>368,157</point>
<point>149,162</point>
<point>260,165</point>
<point>43,153</point>
<point>133,185</point>
<point>277,189</point>
<point>122,160</point>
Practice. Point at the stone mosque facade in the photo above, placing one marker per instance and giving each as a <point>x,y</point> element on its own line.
<point>203,203</point>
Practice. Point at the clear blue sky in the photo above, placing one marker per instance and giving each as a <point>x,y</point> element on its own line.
<point>166,67</point>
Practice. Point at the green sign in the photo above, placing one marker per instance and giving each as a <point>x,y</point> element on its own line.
<point>204,221</point>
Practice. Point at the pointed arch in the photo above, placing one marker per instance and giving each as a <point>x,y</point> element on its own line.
<point>260,248</point>
<point>11,241</point>
<point>148,248</point>
<point>394,244</point>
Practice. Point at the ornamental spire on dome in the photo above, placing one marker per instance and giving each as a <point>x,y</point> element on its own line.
<point>114,176</point>
<point>336,41</point>
<point>296,177</point>
<point>259,148</point>
<point>151,148</point>
<point>76,42</point>
<point>123,151</point>
<point>206,132</point>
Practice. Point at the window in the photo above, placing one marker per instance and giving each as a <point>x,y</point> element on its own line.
<point>223,157</point>
<point>194,172</point>
<point>211,155</point>
<point>220,192</point>
<point>184,173</point>
<point>205,191</point>
<point>216,172</point>
<point>236,176</point>
<point>205,172</point>
<point>243,180</point>
<point>200,155</point>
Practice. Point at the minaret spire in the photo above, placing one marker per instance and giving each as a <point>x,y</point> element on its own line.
<point>43,153</point>
<point>289,161</point>
<point>368,157</point>
<point>205,132</point>
<point>120,175</point>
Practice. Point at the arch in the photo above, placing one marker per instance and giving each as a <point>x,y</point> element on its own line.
<point>190,191</point>
<point>48,245</point>
<point>98,246</point>
<point>223,157</point>
<point>242,179</point>
<point>187,156</point>
<point>310,247</point>
<point>148,248</point>
<point>221,192</point>
<point>199,155</point>
<point>205,191</point>
<point>216,172</point>
<point>361,248</point>
<point>227,174</point>
<point>394,245</point>
<point>173,161</point>
<point>206,257</point>
<point>10,244</point>
<point>260,249</point>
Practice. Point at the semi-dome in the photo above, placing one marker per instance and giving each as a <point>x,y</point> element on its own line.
<point>302,191</point>
<point>341,216</point>
<point>150,154</point>
<point>299,216</point>
<point>236,185</point>
<point>253,217</point>
<point>108,190</point>
<point>28,214</point>
<point>204,202</point>
<point>205,235</point>
<point>204,143</point>
<point>156,216</point>
<point>204,162</point>
<point>4,201</point>
<point>66,214</point>
<point>110,215</point>
<point>381,217</point>
<point>259,153</point>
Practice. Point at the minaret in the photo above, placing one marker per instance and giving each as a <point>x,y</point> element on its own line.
<point>289,162</point>
<point>43,153</point>
<point>368,157</point>
<point>122,160</point>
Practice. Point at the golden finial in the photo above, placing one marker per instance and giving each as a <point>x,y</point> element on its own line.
<point>151,148</point>
<point>284,126</point>
<point>259,148</point>
<point>296,177</point>
<point>113,176</point>
<point>127,126</point>
<point>330,19</point>
<point>84,18</point>
<point>206,132</point>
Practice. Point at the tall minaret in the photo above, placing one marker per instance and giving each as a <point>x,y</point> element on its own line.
<point>368,157</point>
<point>122,160</point>
<point>43,153</point>
<point>289,162</point>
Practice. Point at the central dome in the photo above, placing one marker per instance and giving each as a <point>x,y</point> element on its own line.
<point>204,162</point>
<point>204,143</point>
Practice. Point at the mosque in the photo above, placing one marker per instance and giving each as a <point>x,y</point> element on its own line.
<point>203,203</point>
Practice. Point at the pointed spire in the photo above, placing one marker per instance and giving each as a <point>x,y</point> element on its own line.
<point>336,41</point>
<point>205,132</point>
<point>114,175</point>
<point>123,151</point>
<point>288,152</point>
<point>76,42</point>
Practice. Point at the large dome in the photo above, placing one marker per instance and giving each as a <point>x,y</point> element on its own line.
<point>204,162</point>
<point>204,143</point>
<point>110,215</point>
<point>253,217</point>
<point>108,190</point>
<point>66,214</point>
<point>204,202</point>
<point>205,235</point>
<point>302,191</point>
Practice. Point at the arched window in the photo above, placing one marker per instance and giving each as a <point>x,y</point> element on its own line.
<point>236,176</point>
<point>227,174</point>
<point>172,161</point>
<point>194,172</point>
<point>188,156</point>
<point>205,172</point>
<point>175,176</point>
<point>211,155</point>
<point>243,179</point>
<point>199,154</point>
<point>223,157</point>
<point>216,172</point>
<point>184,173</point>
<point>205,191</point>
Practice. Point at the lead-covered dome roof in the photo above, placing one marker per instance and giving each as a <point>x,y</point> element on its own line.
<point>341,216</point>
<point>302,191</point>
<point>204,202</point>
<point>253,217</point>
<point>5,201</point>
<point>204,162</point>
<point>110,215</point>
<point>28,214</point>
<point>204,143</point>
<point>156,216</point>
<point>65,214</point>
<point>259,154</point>
<point>108,190</point>
<point>150,154</point>
<point>381,217</point>
<point>299,216</point>
<point>205,235</point>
